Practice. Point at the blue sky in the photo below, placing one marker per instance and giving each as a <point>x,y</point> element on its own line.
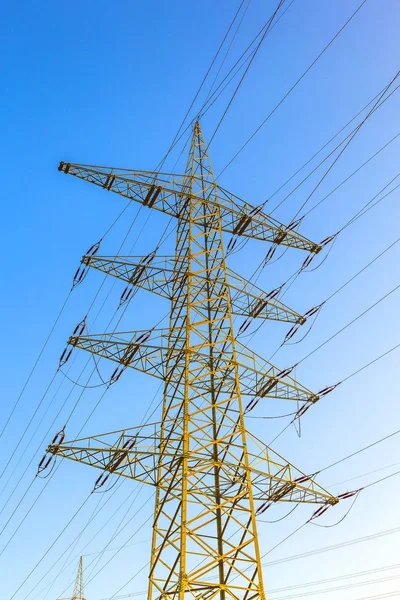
<point>109,84</point>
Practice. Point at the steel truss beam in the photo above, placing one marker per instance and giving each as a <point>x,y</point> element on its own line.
<point>258,377</point>
<point>171,194</point>
<point>134,453</point>
<point>247,299</point>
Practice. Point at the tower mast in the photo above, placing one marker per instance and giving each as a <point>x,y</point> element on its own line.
<point>198,509</point>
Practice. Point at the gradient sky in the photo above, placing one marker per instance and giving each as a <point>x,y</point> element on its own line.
<point>108,84</point>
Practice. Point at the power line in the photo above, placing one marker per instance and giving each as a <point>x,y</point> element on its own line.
<point>28,425</point>
<point>51,546</point>
<point>337,462</point>
<point>325,145</point>
<point>337,578</point>
<point>221,87</point>
<point>55,374</point>
<point>211,99</point>
<point>298,529</point>
<point>119,528</point>
<point>323,304</point>
<point>338,546</point>
<point>118,551</point>
<point>30,485</point>
<point>228,50</point>
<point>368,485</point>
<point>349,324</point>
<point>95,560</point>
<point>301,526</point>
<point>74,407</point>
<point>342,381</point>
<point>93,516</point>
<point>201,84</point>
<point>338,588</point>
<point>368,206</point>
<point>396,464</point>
<point>362,270</point>
<point>270,21</point>
<point>51,333</point>
<point>129,581</point>
<point>206,108</point>
<point>295,556</point>
<point>331,547</point>
<point>352,174</point>
<point>71,547</point>
<point>144,421</point>
<point>348,142</point>
<point>35,365</point>
<point>301,585</point>
<point>385,595</point>
<point>292,88</point>
<point>26,515</point>
<point>104,279</point>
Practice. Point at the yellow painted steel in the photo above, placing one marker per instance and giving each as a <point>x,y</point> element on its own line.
<point>158,277</point>
<point>78,592</point>
<point>209,472</point>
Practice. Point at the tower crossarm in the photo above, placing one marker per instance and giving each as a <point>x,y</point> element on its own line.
<point>276,479</point>
<point>159,277</point>
<point>248,300</point>
<point>146,358</point>
<point>258,377</point>
<point>134,453</point>
<point>171,193</point>
<point>261,378</point>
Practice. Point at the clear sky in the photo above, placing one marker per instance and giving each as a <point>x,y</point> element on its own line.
<point>108,84</point>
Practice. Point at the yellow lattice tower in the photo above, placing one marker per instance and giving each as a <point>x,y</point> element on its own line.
<point>211,476</point>
<point>78,593</point>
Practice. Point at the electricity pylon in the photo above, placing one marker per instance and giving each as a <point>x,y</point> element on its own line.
<point>78,593</point>
<point>211,476</point>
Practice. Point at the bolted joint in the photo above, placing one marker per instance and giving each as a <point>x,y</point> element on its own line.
<point>182,581</point>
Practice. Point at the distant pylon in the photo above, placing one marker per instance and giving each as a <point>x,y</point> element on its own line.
<point>212,477</point>
<point>78,587</point>
<point>78,593</point>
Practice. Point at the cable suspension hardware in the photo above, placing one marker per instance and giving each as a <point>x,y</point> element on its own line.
<point>82,270</point>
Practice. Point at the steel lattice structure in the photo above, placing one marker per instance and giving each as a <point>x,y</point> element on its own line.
<point>78,593</point>
<point>211,476</point>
